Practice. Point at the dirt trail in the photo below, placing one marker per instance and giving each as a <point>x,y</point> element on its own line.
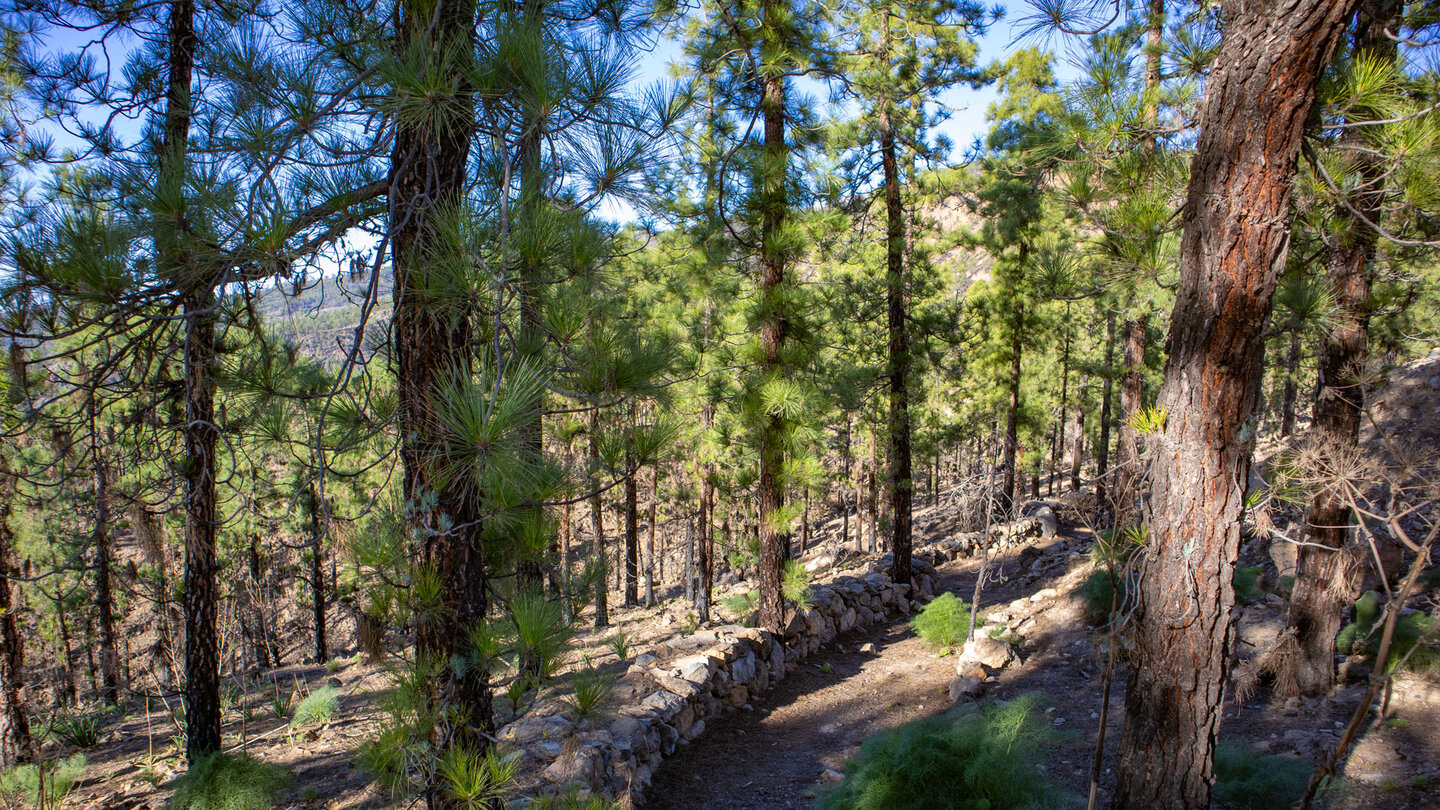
<point>777,754</point>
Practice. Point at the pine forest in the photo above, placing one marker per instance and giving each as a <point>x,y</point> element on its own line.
<point>710,404</point>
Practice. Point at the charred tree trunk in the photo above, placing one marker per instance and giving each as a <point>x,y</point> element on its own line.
<point>432,349</point>
<point>1078,459</point>
<point>632,536</point>
<point>202,651</point>
<point>317,572</point>
<point>773,206</point>
<point>104,594</point>
<point>1107,394</point>
<point>1236,231</point>
<point>902,488</point>
<point>16,744</point>
<point>1012,418</point>
<point>650,541</point>
<point>1325,572</point>
<point>1290,390</point>
<point>1132,402</point>
<point>597,525</point>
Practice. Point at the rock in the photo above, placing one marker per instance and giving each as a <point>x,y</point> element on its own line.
<point>867,647</point>
<point>646,660</point>
<point>965,686</point>
<point>736,697</point>
<point>1049,524</point>
<point>676,686</point>
<point>1355,669</point>
<point>988,652</point>
<point>585,766</point>
<point>831,776</point>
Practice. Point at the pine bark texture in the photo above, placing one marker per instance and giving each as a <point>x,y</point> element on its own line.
<point>1235,239</point>
<point>432,344</point>
<point>16,744</point>
<point>902,488</point>
<point>774,537</point>
<point>1326,570</point>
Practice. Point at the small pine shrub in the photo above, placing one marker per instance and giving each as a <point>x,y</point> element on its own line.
<point>619,644</point>
<point>78,730</point>
<point>22,783</point>
<point>1247,583</point>
<point>475,780</point>
<point>1098,592</point>
<point>317,708</point>
<point>944,623</point>
<point>229,782</point>
<point>742,605</point>
<point>1413,632</point>
<point>1245,780</point>
<point>965,760</point>
<point>591,688</point>
<point>572,799</point>
<point>795,585</point>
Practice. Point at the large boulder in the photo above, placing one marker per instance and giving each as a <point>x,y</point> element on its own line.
<point>988,652</point>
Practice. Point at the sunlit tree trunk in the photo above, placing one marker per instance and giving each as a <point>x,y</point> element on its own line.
<point>1235,238</point>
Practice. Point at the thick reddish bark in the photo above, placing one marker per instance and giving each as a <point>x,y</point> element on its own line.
<point>1236,231</point>
<point>1326,567</point>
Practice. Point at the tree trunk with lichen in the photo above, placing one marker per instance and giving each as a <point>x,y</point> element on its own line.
<point>1235,238</point>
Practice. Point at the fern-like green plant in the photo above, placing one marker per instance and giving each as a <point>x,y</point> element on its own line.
<point>944,623</point>
<point>229,782</point>
<point>43,785</point>
<point>967,759</point>
<point>477,781</point>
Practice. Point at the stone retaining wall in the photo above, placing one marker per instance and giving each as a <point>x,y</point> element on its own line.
<point>672,688</point>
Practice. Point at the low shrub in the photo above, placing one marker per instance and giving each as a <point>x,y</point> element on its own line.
<point>1413,632</point>
<point>591,687</point>
<point>229,782</point>
<point>24,783</point>
<point>974,758</point>
<point>78,730</point>
<point>1247,583</point>
<point>317,708</point>
<point>1245,780</point>
<point>944,623</point>
<point>1098,591</point>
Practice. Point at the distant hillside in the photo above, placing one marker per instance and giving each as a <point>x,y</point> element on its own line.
<point>321,320</point>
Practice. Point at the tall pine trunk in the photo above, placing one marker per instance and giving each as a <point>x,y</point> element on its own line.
<point>1012,415</point>
<point>317,572</point>
<point>1107,395</point>
<point>1234,243</point>
<point>1128,478</point>
<point>1325,570</point>
<point>104,594</point>
<point>16,744</point>
<point>901,486</point>
<point>432,349</point>
<point>773,205</point>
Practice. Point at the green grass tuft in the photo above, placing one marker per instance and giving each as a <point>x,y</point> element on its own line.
<point>229,782</point>
<point>943,623</point>
<point>1245,780</point>
<point>967,760</point>
<point>317,708</point>
<point>22,783</point>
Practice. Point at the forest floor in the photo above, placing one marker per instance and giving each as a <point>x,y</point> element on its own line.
<point>792,743</point>
<point>788,746</point>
